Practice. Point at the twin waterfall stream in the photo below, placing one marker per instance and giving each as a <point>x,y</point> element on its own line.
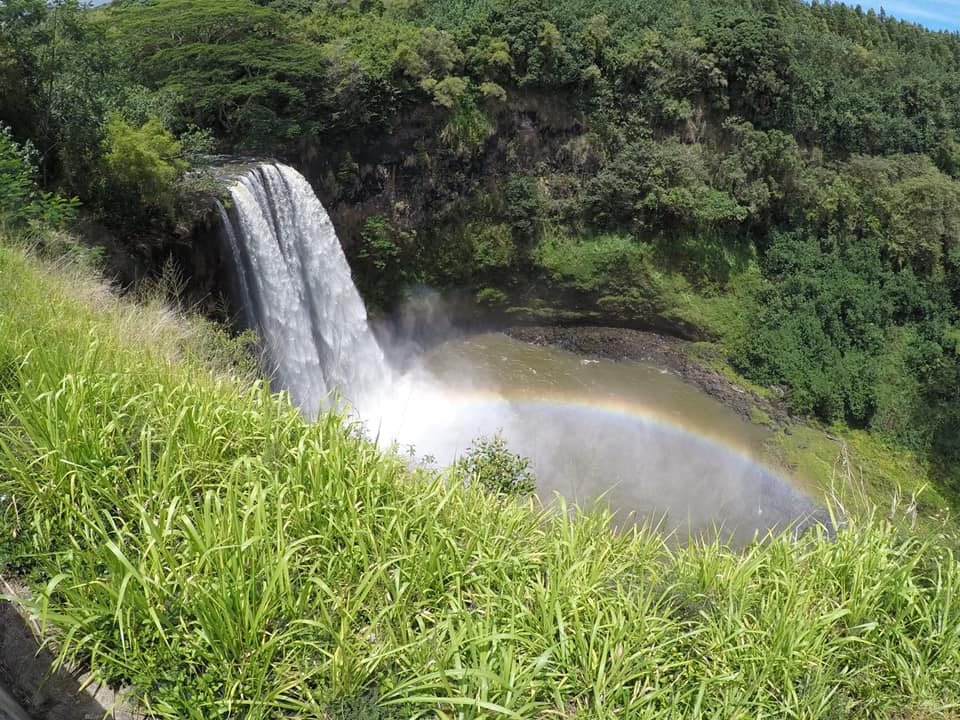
<point>296,290</point>
<point>629,435</point>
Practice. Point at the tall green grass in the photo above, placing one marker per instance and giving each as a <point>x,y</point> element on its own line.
<point>195,539</point>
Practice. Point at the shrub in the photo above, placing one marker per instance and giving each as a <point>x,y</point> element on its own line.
<point>142,166</point>
<point>21,201</point>
<point>490,463</point>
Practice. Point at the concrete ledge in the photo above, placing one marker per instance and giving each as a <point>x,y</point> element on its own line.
<point>29,687</point>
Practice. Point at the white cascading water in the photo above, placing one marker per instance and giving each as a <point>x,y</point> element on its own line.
<point>297,292</point>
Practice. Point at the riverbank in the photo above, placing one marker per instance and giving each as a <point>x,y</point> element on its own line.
<point>671,353</point>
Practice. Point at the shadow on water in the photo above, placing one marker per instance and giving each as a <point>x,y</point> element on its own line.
<point>30,688</point>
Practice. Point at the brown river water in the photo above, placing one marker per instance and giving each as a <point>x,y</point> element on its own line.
<point>625,434</point>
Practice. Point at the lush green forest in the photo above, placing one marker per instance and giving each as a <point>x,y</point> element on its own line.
<point>779,178</point>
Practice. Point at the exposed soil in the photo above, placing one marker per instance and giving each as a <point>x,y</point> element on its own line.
<point>664,351</point>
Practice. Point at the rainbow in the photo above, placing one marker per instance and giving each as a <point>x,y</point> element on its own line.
<point>656,454</point>
<point>615,407</point>
<point>475,401</point>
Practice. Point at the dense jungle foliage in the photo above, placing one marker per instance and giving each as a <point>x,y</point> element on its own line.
<point>778,177</point>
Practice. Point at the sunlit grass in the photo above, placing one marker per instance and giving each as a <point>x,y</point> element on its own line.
<point>859,471</point>
<point>195,539</point>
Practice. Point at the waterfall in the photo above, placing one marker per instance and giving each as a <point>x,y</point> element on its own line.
<point>588,434</point>
<point>296,291</point>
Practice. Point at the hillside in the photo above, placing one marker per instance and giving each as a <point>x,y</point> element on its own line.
<point>193,538</point>
<point>778,181</point>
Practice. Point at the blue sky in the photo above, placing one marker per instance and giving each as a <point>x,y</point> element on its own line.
<point>934,14</point>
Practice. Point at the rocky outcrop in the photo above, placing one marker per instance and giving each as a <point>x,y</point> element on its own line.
<point>664,351</point>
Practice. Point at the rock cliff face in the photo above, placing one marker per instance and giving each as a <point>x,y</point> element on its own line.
<point>408,207</point>
<point>184,263</point>
<point>417,170</point>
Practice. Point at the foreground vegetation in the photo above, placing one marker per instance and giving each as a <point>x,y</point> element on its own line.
<point>194,538</point>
